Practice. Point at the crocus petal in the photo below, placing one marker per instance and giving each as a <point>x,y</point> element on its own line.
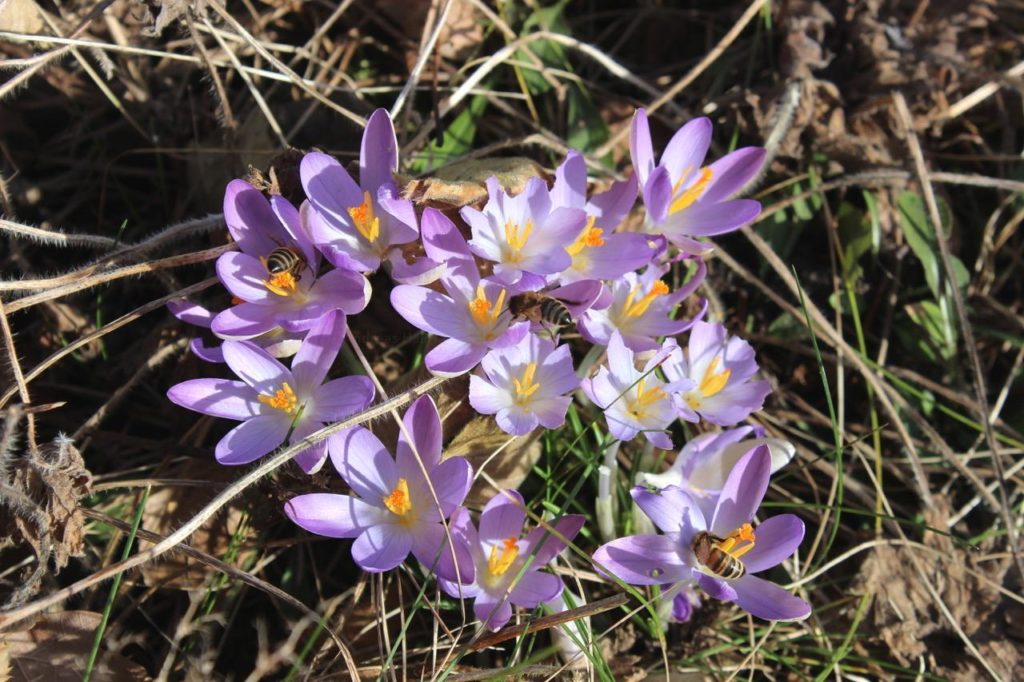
<point>399,213</point>
<point>612,206</point>
<point>420,272</point>
<point>192,313</point>
<point>334,516</point>
<point>516,421</point>
<point>642,560</point>
<point>451,481</point>
<point>252,439</point>
<point>550,412</point>
<point>378,153</point>
<point>318,351</point>
<point>454,357</point>
<point>719,589</point>
<point>381,548</point>
<point>206,352</point>
<point>250,221</point>
<point>658,195</point>
<point>685,152</point>
<point>544,545</point>
<point>491,613</point>
<point>430,311</point>
<point>256,367</point>
<point>707,220</point>
<point>732,171</point>
<point>340,398</point>
<point>534,588</point>
<point>244,276</point>
<point>769,601</point>
<point>503,516</point>
<point>216,397</point>
<point>445,244</point>
<point>666,508</point>
<point>485,398</point>
<point>364,463</point>
<point>570,188</point>
<point>743,492</point>
<point>338,240</point>
<point>423,425</point>
<point>428,545</point>
<point>244,321</point>
<point>328,185</point>
<point>777,539</point>
<point>640,147</point>
<point>294,221</point>
<point>342,289</point>
<point>312,458</point>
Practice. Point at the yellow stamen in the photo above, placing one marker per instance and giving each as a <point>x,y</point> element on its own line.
<point>483,313</point>
<point>365,219</point>
<point>739,542</point>
<point>398,501</point>
<point>636,308</point>
<point>516,238</point>
<point>282,284</point>
<point>691,194</point>
<point>499,562</point>
<point>284,399</point>
<point>526,387</point>
<point>713,383</point>
<point>645,397</point>
<point>589,237</point>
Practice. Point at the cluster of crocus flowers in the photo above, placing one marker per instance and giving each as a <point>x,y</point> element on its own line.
<point>502,287</point>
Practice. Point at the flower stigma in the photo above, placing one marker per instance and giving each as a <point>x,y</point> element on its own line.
<point>738,542</point>
<point>692,193</point>
<point>366,221</point>
<point>499,562</point>
<point>284,399</point>
<point>526,387</point>
<point>484,314</point>
<point>398,502</point>
<point>589,238</point>
<point>637,307</point>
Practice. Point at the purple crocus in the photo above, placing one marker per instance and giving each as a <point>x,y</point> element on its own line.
<point>293,299</point>
<point>703,465</point>
<point>274,403</point>
<point>525,235</point>
<point>507,564</point>
<point>633,401</point>
<point>599,252</point>
<point>472,313</point>
<point>673,557</point>
<point>716,370</point>
<point>356,225</point>
<point>686,200</point>
<point>277,342</point>
<point>525,385</point>
<point>393,511</point>
<point>641,309</point>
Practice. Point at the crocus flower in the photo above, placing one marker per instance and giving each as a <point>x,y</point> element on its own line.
<point>641,309</point>
<point>525,235</point>
<point>473,316</point>
<point>525,385</point>
<point>274,403</point>
<point>717,371</point>
<point>633,401</point>
<point>671,558</point>
<point>703,465</point>
<point>686,200</point>
<point>392,511</point>
<point>293,299</point>
<point>277,342</point>
<point>356,225</point>
<point>598,252</point>
<point>507,564</point>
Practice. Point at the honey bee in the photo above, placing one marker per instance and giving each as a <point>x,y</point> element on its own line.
<point>540,308</point>
<point>285,259</point>
<point>712,557</point>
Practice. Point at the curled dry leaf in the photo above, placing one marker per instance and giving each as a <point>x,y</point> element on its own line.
<point>56,649</point>
<point>462,183</point>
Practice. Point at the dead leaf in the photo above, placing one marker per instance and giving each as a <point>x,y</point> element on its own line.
<point>56,649</point>
<point>462,183</point>
<point>20,16</point>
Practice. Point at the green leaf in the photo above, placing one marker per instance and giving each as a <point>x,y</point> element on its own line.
<point>457,141</point>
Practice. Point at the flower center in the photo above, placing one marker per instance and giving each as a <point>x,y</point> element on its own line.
<point>589,238</point>
<point>738,542</point>
<point>501,560</point>
<point>282,284</point>
<point>398,501</point>
<point>526,387</point>
<point>635,307</point>
<point>692,193</point>
<point>712,383</point>
<point>516,239</point>
<point>645,398</point>
<point>284,399</point>
<point>484,314</point>
<point>366,221</point>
